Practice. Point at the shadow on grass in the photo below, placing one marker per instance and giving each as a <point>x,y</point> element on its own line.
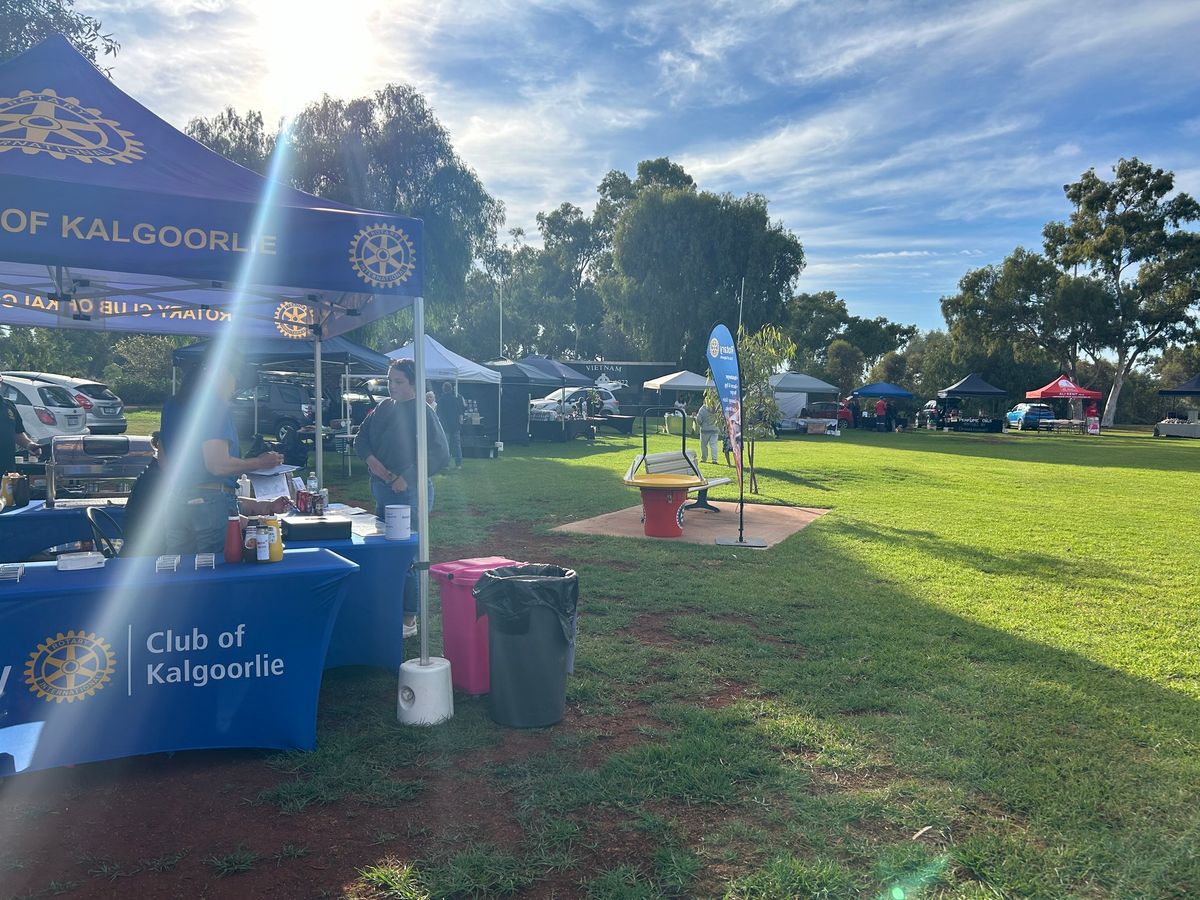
<point>1106,451</point>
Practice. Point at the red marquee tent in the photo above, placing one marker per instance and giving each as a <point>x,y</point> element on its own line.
<point>1062,386</point>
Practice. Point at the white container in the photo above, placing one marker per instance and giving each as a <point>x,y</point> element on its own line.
<point>426,694</point>
<point>397,522</point>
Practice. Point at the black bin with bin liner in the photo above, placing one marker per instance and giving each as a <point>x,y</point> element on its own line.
<point>531,638</point>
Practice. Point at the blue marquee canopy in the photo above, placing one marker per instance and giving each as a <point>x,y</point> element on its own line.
<point>883,389</point>
<point>110,218</point>
<point>339,352</point>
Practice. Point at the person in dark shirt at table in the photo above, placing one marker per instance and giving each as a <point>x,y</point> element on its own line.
<point>202,478</point>
<point>146,495</point>
<point>12,434</point>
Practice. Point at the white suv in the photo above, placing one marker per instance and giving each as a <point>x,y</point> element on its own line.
<point>104,410</point>
<point>556,402</point>
<point>46,409</point>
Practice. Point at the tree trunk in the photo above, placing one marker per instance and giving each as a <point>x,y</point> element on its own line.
<point>1110,405</point>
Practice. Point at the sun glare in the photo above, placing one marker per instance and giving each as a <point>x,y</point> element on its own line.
<point>312,48</point>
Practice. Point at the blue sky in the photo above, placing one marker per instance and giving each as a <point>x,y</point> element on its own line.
<point>903,143</point>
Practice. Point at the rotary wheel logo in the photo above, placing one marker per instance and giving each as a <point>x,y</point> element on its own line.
<point>69,667</point>
<point>714,348</point>
<point>383,255</point>
<point>47,123</point>
<point>292,319</point>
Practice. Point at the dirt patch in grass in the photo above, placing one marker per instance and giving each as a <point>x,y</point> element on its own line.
<point>652,629</point>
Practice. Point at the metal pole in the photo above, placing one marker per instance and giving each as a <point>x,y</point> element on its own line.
<point>499,389</point>
<point>319,418</point>
<point>420,406</point>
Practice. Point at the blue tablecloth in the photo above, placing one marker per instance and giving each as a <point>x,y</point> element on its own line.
<point>33,528</point>
<point>120,661</point>
<point>369,627</point>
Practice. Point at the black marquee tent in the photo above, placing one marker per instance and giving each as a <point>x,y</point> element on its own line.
<point>1189,388</point>
<point>972,386</point>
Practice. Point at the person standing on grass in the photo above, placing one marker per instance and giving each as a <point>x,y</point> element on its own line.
<point>387,443</point>
<point>889,412</point>
<point>708,422</point>
<point>450,414</point>
<point>880,413</point>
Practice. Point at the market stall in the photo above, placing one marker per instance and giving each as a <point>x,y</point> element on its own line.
<point>565,426</point>
<point>116,221</point>
<point>519,384</point>
<point>953,416</point>
<point>1183,423</point>
<point>792,390</point>
<point>881,390</point>
<point>1063,388</point>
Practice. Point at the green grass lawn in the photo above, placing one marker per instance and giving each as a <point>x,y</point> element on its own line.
<point>976,677</point>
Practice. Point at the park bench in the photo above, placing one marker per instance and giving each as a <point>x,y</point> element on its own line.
<point>679,462</point>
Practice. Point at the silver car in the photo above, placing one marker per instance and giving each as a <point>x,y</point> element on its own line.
<point>46,409</point>
<point>104,410</point>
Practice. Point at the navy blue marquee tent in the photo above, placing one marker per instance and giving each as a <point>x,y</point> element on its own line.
<point>110,218</point>
<point>882,389</point>
<point>339,352</point>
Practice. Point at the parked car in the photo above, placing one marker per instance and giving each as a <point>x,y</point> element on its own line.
<point>47,410</point>
<point>936,410</point>
<point>359,401</point>
<point>283,407</point>
<point>1025,416</point>
<point>553,404</point>
<point>831,409</point>
<point>104,410</point>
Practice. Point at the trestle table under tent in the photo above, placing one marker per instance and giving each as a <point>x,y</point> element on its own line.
<point>116,221</point>
<point>1177,425</point>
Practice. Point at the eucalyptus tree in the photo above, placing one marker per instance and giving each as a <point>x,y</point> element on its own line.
<point>1029,302</point>
<point>384,151</point>
<point>1127,235</point>
<point>680,257</point>
<point>24,23</point>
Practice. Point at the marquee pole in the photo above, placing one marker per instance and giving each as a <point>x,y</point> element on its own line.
<point>319,400</point>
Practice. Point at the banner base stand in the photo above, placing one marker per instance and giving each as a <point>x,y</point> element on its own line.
<point>750,543</point>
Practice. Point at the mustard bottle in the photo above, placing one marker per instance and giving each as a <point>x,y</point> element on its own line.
<point>275,537</point>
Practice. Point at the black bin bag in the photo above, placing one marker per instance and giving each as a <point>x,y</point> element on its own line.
<point>531,641</point>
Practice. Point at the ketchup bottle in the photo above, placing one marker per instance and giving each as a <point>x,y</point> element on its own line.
<point>233,540</point>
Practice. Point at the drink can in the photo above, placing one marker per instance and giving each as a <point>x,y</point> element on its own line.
<point>318,505</point>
